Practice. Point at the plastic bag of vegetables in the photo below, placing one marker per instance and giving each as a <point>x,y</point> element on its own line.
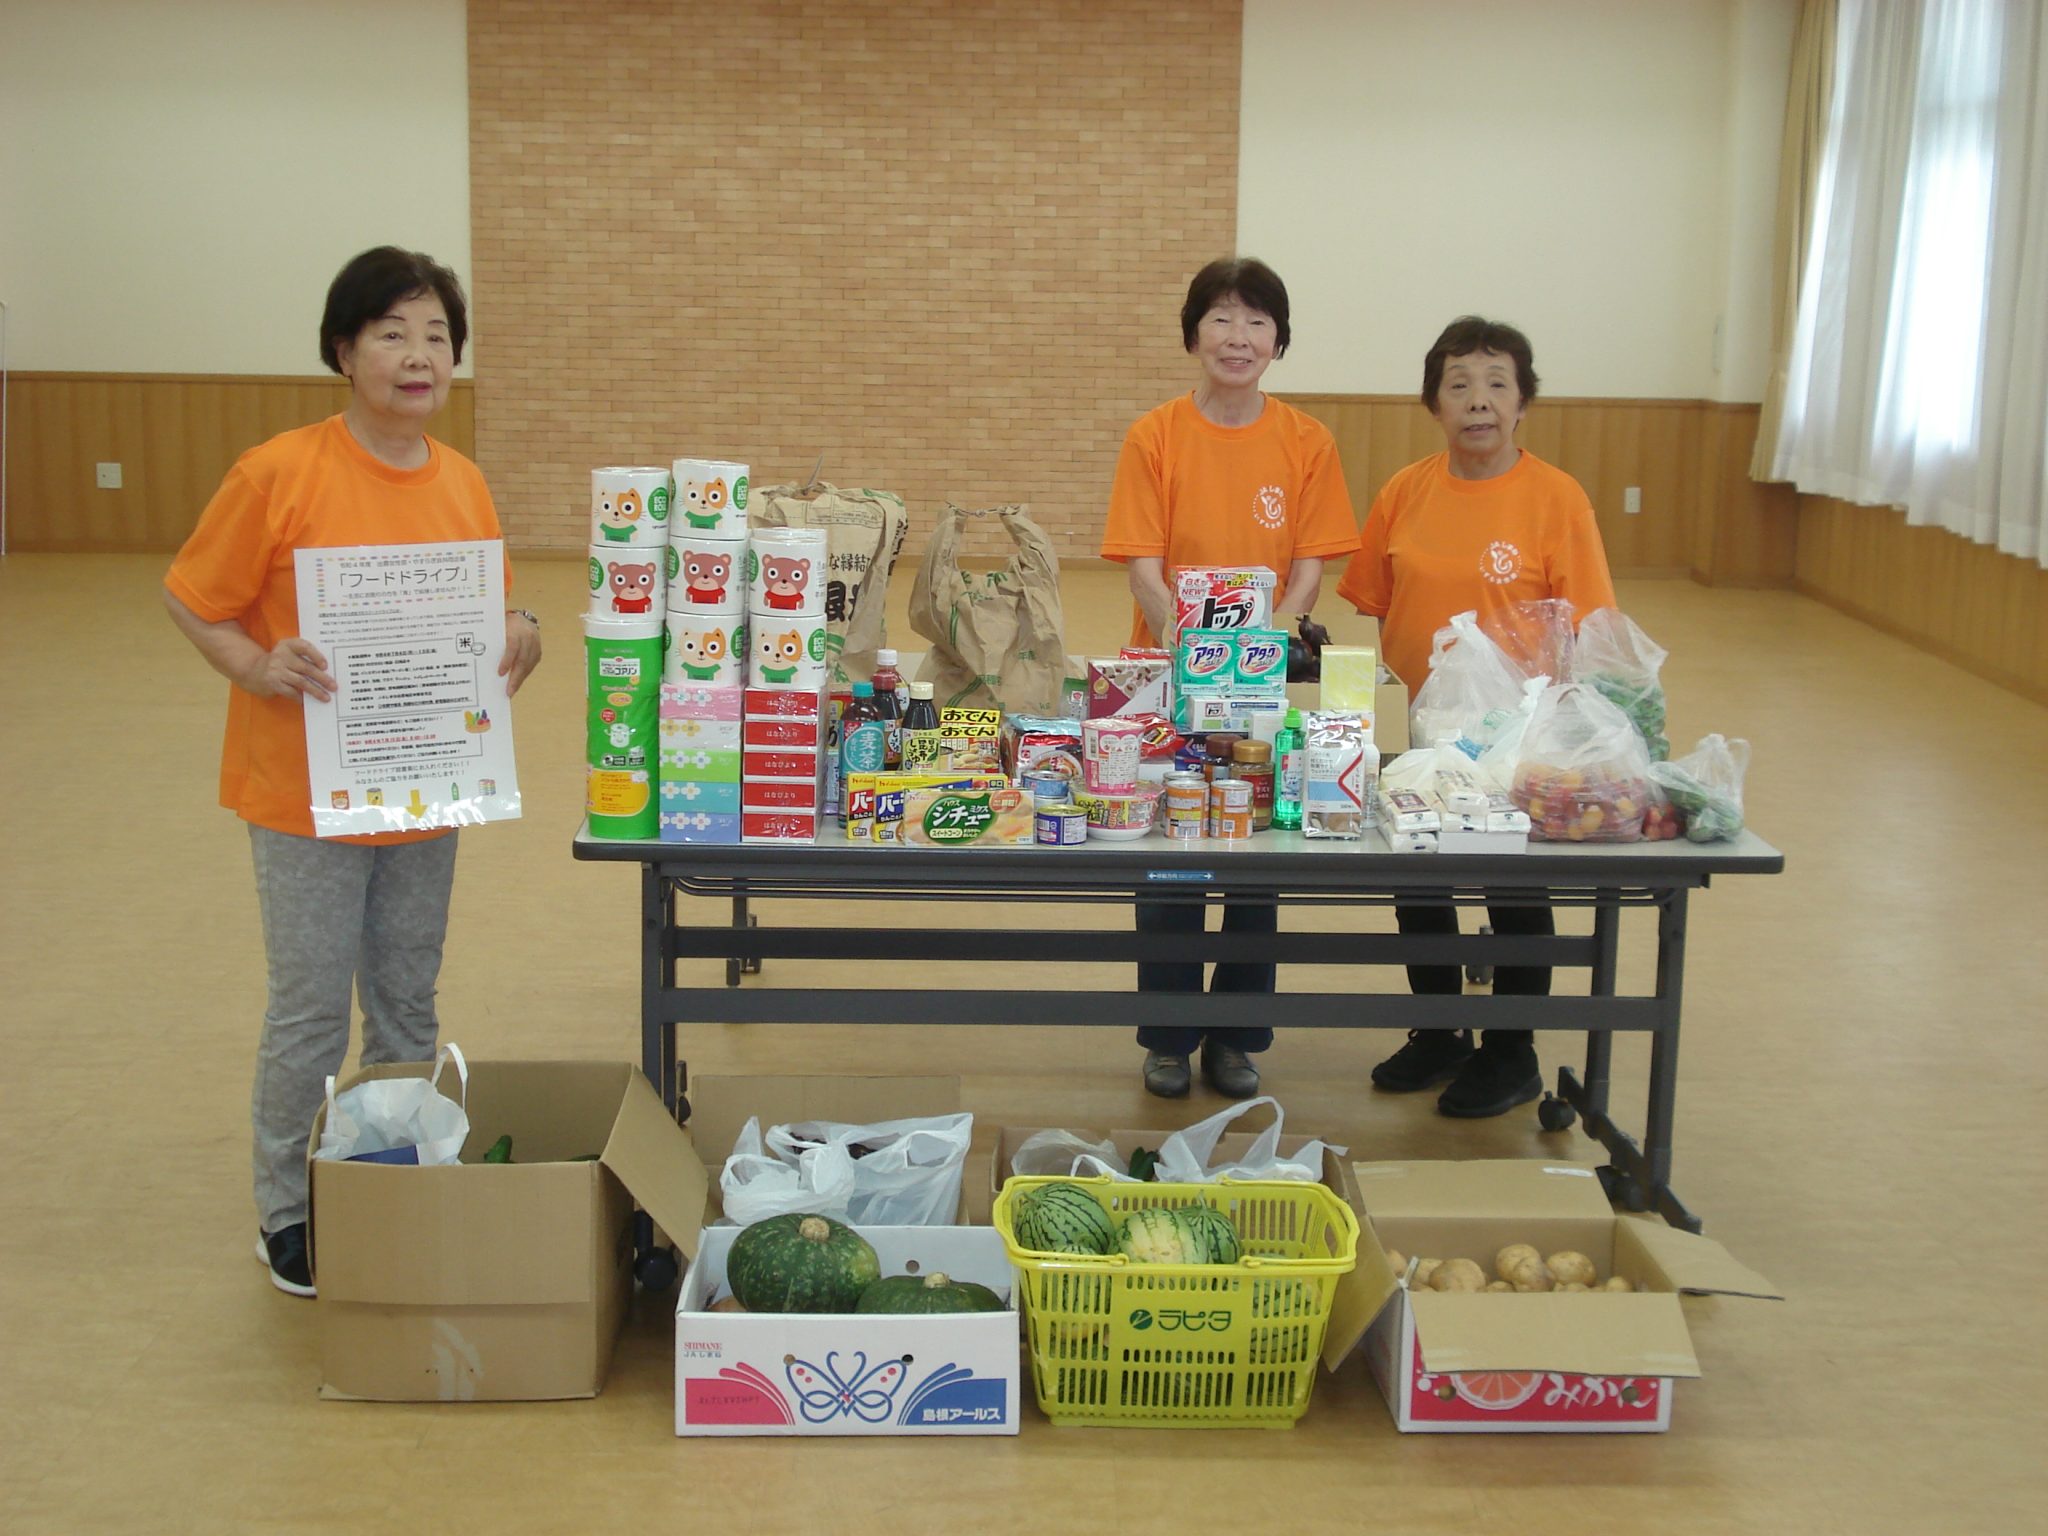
<point>1472,689</point>
<point>1706,786</point>
<point>1582,774</point>
<point>1616,657</point>
<point>1535,634</point>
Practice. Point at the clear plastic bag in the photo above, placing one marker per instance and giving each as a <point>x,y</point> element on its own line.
<point>1616,657</point>
<point>895,1173</point>
<point>1706,786</point>
<point>1184,1155</point>
<point>1472,689</point>
<point>1535,634</point>
<point>404,1120</point>
<point>1583,773</point>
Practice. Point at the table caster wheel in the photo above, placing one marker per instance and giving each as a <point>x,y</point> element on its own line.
<point>656,1269</point>
<point>1553,1114</point>
<point>1481,975</point>
<point>682,1109</point>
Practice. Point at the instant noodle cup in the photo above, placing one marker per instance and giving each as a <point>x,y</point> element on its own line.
<point>1118,818</point>
<point>626,582</point>
<point>786,572</point>
<point>1110,748</point>
<point>705,575</point>
<point>711,497</point>
<point>629,506</point>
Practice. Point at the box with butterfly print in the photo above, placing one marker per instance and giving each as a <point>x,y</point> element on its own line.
<point>1537,1353</point>
<point>741,1373</point>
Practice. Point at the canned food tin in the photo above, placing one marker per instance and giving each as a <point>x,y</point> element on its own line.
<point>1060,826</point>
<point>1187,805</point>
<point>1230,808</point>
<point>1049,788</point>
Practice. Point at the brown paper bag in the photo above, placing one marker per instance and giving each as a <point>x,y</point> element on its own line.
<point>864,532</point>
<point>997,637</point>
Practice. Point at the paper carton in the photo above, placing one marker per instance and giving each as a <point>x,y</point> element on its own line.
<point>491,1282</point>
<point>1218,597</point>
<point>1524,1362</point>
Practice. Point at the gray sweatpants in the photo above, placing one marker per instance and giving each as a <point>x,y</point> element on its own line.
<point>336,917</point>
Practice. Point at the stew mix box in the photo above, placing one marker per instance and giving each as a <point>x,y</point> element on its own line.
<point>1465,1363</point>
<point>853,1374</point>
<point>496,1282</point>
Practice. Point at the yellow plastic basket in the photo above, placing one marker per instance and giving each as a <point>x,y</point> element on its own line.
<point>1196,1346</point>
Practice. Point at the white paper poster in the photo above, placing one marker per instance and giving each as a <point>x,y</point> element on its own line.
<point>419,734</point>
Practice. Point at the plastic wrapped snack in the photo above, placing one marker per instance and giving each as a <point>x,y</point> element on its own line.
<point>1706,786</point>
<point>1616,657</point>
<point>1583,772</point>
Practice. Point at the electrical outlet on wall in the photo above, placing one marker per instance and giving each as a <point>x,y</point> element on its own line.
<point>108,476</point>
<point>1632,500</point>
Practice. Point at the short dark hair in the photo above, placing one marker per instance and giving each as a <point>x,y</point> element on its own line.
<point>378,280</point>
<point>1471,333</point>
<point>1252,281</point>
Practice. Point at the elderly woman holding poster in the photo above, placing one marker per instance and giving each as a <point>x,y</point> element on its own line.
<point>363,915</point>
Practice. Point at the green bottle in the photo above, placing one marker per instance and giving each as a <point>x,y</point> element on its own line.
<point>1288,779</point>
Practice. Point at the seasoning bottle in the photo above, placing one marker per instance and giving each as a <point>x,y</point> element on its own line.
<point>920,730</point>
<point>1253,761</point>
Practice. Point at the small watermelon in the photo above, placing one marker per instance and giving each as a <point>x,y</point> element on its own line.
<point>1063,1218</point>
<point>1160,1237</point>
<point>935,1292</point>
<point>800,1263</point>
<point>1218,1238</point>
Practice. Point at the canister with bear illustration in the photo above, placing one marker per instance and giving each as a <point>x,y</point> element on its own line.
<point>626,582</point>
<point>622,699</point>
<point>630,506</point>
<point>786,572</point>
<point>710,497</point>
<point>706,575</point>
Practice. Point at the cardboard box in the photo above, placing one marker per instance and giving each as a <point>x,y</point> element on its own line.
<point>1220,597</point>
<point>1551,1362</point>
<point>847,1374</point>
<point>495,1283</point>
<point>699,827</point>
<point>1130,685</point>
<point>779,826</point>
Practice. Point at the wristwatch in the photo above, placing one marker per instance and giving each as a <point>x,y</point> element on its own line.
<point>527,614</point>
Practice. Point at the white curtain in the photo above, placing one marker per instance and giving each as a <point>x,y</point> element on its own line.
<point>1918,371</point>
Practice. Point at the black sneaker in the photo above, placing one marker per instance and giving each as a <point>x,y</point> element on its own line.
<point>1228,1070</point>
<point>284,1253</point>
<point>1431,1056</point>
<point>1493,1082</point>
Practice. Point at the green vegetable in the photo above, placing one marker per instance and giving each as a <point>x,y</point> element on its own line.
<point>936,1292</point>
<point>501,1150</point>
<point>799,1263</point>
<point>1063,1218</point>
<point>1144,1165</point>
<point>1643,703</point>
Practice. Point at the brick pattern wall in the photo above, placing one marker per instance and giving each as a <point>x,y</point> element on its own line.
<point>941,243</point>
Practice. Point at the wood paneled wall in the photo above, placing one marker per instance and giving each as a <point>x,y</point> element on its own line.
<point>1701,514</point>
<point>174,436</point>
<point>1967,603</point>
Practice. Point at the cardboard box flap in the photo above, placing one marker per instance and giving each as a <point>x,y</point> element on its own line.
<point>1507,1187</point>
<point>1695,1263</point>
<point>1606,1335</point>
<point>656,1162</point>
<point>1366,1290</point>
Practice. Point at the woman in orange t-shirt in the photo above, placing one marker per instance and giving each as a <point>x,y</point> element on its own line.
<point>341,916</point>
<point>1483,525</point>
<point>1223,475</point>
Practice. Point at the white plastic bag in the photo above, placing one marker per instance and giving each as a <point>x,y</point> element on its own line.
<point>896,1173</point>
<point>1059,1152</point>
<point>1184,1157</point>
<point>1472,689</point>
<point>398,1119</point>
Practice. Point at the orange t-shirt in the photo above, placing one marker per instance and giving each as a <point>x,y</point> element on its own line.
<point>1194,493</point>
<point>314,487</point>
<point>1435,545</point>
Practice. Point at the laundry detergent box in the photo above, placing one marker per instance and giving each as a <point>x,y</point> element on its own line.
<point>1219,660</point>
<point>1223,597</point>
<point>1550,1361</point>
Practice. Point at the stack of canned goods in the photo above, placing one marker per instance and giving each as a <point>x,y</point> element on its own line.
<point>1056,821</point>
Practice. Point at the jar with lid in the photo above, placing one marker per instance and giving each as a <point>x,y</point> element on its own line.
<point>1253,760</point>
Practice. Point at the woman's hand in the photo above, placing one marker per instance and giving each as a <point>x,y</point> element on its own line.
<point>522,650</point>
<point>291,667</point>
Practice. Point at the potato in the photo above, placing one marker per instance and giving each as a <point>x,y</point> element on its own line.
<point>727,1304</point>
<point>1570,1265</point>
<point>1505,1261</point>
<point>1531,1275</point>
<point>1499,1285</point>
<point>1457,1275</point>
<point>1617,1283</point>
<point>1398,1262</point>
<point>1424,1268</point>
<point>1575,1285</point>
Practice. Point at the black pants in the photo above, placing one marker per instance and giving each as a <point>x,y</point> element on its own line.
<point>1440,917</point>
<point>1240,915</point>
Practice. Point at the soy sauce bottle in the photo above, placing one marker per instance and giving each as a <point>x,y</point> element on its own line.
<point>920,730</point>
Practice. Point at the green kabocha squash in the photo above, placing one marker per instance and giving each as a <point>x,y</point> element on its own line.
<point>1161,1237</point>
<point>800,1263</point>
<point>1063,1218</point>
<point>934,1292</point>
<point>1212,1229</point>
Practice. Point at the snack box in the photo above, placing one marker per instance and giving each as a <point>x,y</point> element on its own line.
<point>754,1373</point>
<point>874,801</point>
<point>970,740</point>
<point>1552,1362</point>
<point>1223,597</point>
<point>1131,684</point>
<point>964,818</point>
<point>1235,660</point>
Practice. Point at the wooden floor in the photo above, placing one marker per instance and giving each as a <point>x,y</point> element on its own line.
<point>1861,1117</point>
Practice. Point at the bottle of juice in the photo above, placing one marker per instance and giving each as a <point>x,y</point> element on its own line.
<point>1288,780</point>
<point>920,730</point>
<point>863,746</point>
